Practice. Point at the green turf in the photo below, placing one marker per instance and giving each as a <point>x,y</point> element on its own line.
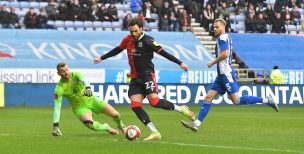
<point>227,129</point>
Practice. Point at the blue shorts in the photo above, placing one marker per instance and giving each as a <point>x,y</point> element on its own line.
<point>223,84</point>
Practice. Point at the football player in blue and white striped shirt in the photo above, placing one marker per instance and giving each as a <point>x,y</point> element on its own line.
<point>226,80</point>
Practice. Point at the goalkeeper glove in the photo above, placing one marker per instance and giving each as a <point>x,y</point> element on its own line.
<point>56,131</point>
<point>88,92</point>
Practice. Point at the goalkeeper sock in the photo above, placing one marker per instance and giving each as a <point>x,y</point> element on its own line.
<point>99,127</point>
<point>244,100</point>
<point>204,111</point>
<point>118,120</point>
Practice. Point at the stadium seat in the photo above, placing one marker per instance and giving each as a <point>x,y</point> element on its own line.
<point>59,23</point>
<point>4,2</point>
<point>68,24</point>
<point>120,14</point>
<point>272,2</point>
<point>51,22</point>
<point>22,12</point>
<point>34,5</point>
<point>60,28</point>
<point>299,28</point>
<point>14,4</point>
<point>88,25</point>
<point>24,4</point>
<point>239,27</point>
<point>97,25</point>
<point>291,28</point>
<point>70,28</point>
<point>134,14</point>
<point>241,31</point>
<point>117,24</point>
<point>117,29</point>
<point>153,25</point>
<point>107,25</point>
<point>268,27</point>
<point>240,18</point>
<point>107,5</point>
<point>119,6</point>
<point>127,6</point>
<point>233,26</point>
<point>79,28</point>
<point>154,16</point>
<point>43,4</point>
<point>78,24</point>
<point>232,18</point>
<point>154,30</point>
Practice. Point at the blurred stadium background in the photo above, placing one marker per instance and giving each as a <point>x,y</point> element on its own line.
<point>77,31</point>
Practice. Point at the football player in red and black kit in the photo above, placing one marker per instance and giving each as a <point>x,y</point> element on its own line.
<point>140,48</point>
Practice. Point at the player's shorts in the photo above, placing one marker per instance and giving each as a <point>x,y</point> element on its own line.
<point>223,84</point>
<point>143,85</point>
<point>94,105</point>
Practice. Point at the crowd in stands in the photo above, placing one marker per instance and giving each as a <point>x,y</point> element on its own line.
<point>252,16</point>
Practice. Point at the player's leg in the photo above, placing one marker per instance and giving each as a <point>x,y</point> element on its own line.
<point>203,111</point>
<point>136,105</point>
<point>136,94</point>
<point>216,88</point>
<point>244,100</point>
<point>232,90</point>
<point>167,105</point>
<point>110,111</point>
<point>85,116</point>
<point>151,89</point>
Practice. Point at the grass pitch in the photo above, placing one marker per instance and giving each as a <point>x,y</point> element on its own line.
<point>227,129</point>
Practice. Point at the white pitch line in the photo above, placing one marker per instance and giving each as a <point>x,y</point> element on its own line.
<point>228,147</point>
<point>182,144</point>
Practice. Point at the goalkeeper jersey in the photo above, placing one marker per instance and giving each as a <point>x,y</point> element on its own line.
<point>73,90</point>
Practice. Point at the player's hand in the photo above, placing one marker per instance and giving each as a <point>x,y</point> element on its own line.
<point>184,66</point>
<point>97,60</point>
<point>88,92</point>
<point>56,131</point>
<point>210,64</point>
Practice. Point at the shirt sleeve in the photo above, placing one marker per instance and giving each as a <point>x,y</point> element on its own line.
<point>82,78</point>
<point>57,103</point>
<point>123,43</point>
<point>158,49</point>
<point>223,45</point>
<point>153,45</point>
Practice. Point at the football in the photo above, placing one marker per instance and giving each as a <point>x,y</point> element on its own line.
<point>132,132</point>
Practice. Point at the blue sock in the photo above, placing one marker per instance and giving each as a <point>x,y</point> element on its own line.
<point>249,100</point>
<point>204,111</point>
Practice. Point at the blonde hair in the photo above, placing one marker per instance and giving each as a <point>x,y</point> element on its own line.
<point>221,20</point>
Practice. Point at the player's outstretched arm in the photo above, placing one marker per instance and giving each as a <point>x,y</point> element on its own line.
<point>56,116</point>
<point>111,53</point>
<point>184,66</point>
<point>97,60</point>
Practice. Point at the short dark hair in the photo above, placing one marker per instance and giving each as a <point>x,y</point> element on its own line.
<point>275,67</point>
<point>61,64</point>
<point>135,21</point>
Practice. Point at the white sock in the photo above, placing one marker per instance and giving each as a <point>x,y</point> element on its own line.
<point>177,108</point>
<point>197,122</point>
<point>151,127</point>
<point>265,100</point>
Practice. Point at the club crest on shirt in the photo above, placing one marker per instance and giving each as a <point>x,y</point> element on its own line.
<point>55,96</point>
<point>140,44</point>
<point>155,43</point>
<point>74,81</point>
